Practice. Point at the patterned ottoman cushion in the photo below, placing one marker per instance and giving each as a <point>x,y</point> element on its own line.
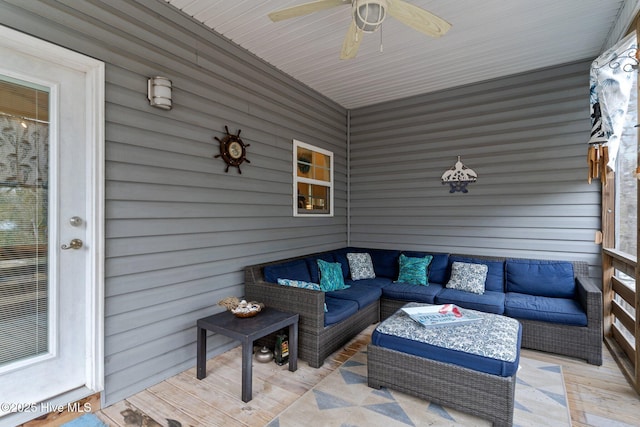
<point>490,345</point>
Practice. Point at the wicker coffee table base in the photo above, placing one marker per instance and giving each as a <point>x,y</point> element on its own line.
<point>484,395</point>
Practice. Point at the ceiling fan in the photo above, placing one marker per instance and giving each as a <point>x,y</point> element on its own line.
<point>367,16</point>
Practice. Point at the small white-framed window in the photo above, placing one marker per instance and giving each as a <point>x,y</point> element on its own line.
<point>312,180</point>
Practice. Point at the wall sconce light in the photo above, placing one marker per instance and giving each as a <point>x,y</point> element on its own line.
<point>159,92</point>
<point>458,177</point>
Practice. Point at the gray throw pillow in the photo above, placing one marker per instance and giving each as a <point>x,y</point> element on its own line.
<point>361,266</point>
<point>468,277</point>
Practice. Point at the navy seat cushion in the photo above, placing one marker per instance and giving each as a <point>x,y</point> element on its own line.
<point>376,282</point>
<point>361,293</point>
<point>565,311</point>
<point>495,273</point>
<point>312,265</point>
<point>438,267</point>
<point>541,278</point>
<point>489,302</point>
<point>428,351</point>
<point>295,270</point>
<point>407,292</point>
<point>338,310</point>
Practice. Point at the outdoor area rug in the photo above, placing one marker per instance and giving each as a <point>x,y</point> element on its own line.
<point>343,399</point>
<point>87,420</point>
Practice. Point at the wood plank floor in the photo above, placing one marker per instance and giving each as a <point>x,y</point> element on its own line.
<point>598,395</point>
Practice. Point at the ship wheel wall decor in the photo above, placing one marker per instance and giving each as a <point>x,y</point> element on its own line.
<point>232,150</point>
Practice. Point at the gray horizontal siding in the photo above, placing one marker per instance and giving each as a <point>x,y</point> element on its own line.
<point>524,135</point>
<point>179,229</point>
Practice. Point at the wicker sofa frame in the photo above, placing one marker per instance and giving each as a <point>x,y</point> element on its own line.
<point>583,342</point>
<point>317,341</point>
<point>487,396</point>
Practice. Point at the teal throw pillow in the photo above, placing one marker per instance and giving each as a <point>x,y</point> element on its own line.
<point>331,276</point>
<point>414,270</point>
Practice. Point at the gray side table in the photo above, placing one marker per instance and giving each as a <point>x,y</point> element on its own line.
<point>247,330</point>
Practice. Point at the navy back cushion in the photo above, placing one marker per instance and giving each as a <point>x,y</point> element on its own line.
<point>541,278</point>
<point>438,267</point>
<point>340,255</point>
<point>312,265</point>
<point>385,262</point>
<point>495,274</point>
<point>296,270</point>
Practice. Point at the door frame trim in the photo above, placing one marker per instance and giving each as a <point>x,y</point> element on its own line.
<point>95,165</point>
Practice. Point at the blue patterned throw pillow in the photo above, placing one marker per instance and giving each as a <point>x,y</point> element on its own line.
<point>468,277</point>
<point>414,270</point>
<point>331,276</point>
<point>361,266</point>
<point>299,284</point>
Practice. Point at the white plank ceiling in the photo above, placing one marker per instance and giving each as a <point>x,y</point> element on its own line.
<point>489,39</point>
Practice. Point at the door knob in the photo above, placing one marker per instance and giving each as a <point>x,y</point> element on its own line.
<point>73,244</point>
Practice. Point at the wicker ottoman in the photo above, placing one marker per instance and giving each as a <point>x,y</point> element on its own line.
<point>448,381</point>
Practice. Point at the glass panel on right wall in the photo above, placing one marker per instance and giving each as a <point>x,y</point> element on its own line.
<point>626,185</point>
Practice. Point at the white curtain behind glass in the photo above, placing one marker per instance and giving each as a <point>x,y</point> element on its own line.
<point>612,77</point>
<point>23,151</point>
<point>23,238</point>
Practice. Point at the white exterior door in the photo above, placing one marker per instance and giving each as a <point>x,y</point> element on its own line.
<point>51,221</point>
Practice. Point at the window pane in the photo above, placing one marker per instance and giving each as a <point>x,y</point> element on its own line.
<point>313,198</point>
<point>627,183</point>
<point>305,161</point>
<point>321,167</point>
<point>312,180</point>
<point>24,142</point>
<point>313,165</point>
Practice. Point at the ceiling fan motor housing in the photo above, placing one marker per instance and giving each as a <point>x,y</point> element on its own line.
<point>369,14</point>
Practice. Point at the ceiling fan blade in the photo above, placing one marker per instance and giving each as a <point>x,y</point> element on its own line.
<point>417,18</point>
<point>305,9</point>
<point>351,42</point>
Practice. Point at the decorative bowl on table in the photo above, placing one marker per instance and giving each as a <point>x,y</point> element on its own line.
<point>241,308</point>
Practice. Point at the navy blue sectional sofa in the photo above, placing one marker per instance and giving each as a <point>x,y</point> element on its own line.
<point>559,306</point>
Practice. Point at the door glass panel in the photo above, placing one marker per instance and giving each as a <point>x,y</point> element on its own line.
<point>24,143</point>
